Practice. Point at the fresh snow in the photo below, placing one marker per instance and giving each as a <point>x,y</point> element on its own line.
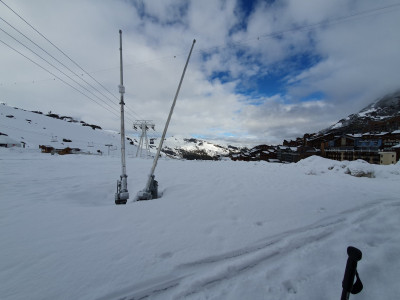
<point>221,230</point>
<point>337,125</point>
<point>367,111</point>
<point>38,129</point>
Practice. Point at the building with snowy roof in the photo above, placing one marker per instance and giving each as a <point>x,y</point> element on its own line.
<point>7,142</point>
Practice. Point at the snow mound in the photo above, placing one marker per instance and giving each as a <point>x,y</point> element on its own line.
<point>316,165</point>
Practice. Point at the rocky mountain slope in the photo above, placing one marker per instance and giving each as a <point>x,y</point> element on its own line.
<point>191,148</point>
<point>382,109</point>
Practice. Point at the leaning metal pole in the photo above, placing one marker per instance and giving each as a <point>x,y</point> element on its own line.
<point>122,194</point>
<point>150,191</point>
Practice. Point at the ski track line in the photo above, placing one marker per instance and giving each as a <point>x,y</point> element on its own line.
<point>198,276</point>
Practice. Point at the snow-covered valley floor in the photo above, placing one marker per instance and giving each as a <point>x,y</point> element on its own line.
<point>222,230</point>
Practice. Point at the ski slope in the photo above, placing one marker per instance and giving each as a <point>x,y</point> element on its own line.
<point>38,129</point>
<point>222,230</point>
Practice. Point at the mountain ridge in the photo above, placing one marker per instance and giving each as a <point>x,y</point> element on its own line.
<point>35,128</point>
<point>380,110</point>
<point>382,115</point>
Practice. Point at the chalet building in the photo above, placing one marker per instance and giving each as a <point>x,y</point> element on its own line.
<point>391,139</point>
<point>396,149</point>
<point>241,157</point>
<point>317,141</point>
<point>373,148</point>
<point>263,152</point>
<point>288,154</point>
<point>268,155</point>
<point>8,142</point>
<point>52,150</point>
<point>372,156</point>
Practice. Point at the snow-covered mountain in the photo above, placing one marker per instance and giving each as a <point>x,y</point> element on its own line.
<point>382,109</point>
<point>33,129</point>
<point>191,148</point>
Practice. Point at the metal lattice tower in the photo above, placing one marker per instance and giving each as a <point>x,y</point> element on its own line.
<point>143,126</point>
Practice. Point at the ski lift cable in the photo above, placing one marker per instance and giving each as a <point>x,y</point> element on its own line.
<point>62,72</point>
<point>333,21</point>
<point>67,56</point>
<point>59,78</point>
<point>49,54</point>
<point>202,50</point>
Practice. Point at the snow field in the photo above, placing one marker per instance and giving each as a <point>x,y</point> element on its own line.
<point>222,230</point>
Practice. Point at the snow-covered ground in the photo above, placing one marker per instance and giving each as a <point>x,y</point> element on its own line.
<point>222,230</point>
<point>38,129</point>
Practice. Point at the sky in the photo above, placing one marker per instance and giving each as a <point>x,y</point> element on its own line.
<point>260,71</point>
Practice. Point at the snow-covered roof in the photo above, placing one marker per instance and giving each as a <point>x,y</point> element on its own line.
<point>355,135</point>
<point>7,140</point>
<point>273,160</point>
<point>397,146</point>
<point>382,133</point>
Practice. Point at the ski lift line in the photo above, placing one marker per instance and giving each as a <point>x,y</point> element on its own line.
<point>65,82</point>
<point>331,21</point>
<point>83,87</point>
<point>298,28</point>
<point>262,36</point>
<point>243,42</point>
<point>133,112</point>
<point>67,56</point>
<point>265,36</point>
<point>101,93</point>
<point>25,82</point>
<point>38,32</point>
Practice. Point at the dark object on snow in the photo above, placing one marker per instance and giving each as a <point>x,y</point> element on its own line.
<point>348,284</point>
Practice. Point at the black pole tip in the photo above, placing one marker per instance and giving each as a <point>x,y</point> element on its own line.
<point>194,41</point>
<point>354,253</point>
<point>120,31</point>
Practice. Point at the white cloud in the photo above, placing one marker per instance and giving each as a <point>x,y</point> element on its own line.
<point>356,60</point>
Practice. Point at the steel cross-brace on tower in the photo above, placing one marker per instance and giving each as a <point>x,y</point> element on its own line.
<point>143,125</point>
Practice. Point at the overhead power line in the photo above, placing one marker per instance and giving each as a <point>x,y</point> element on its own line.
<point>329,22</point>
<point>66,55</point>
<point>51,56</point>
<point>62,72</point>
<point>59,78</point>
<point>273,34</point>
